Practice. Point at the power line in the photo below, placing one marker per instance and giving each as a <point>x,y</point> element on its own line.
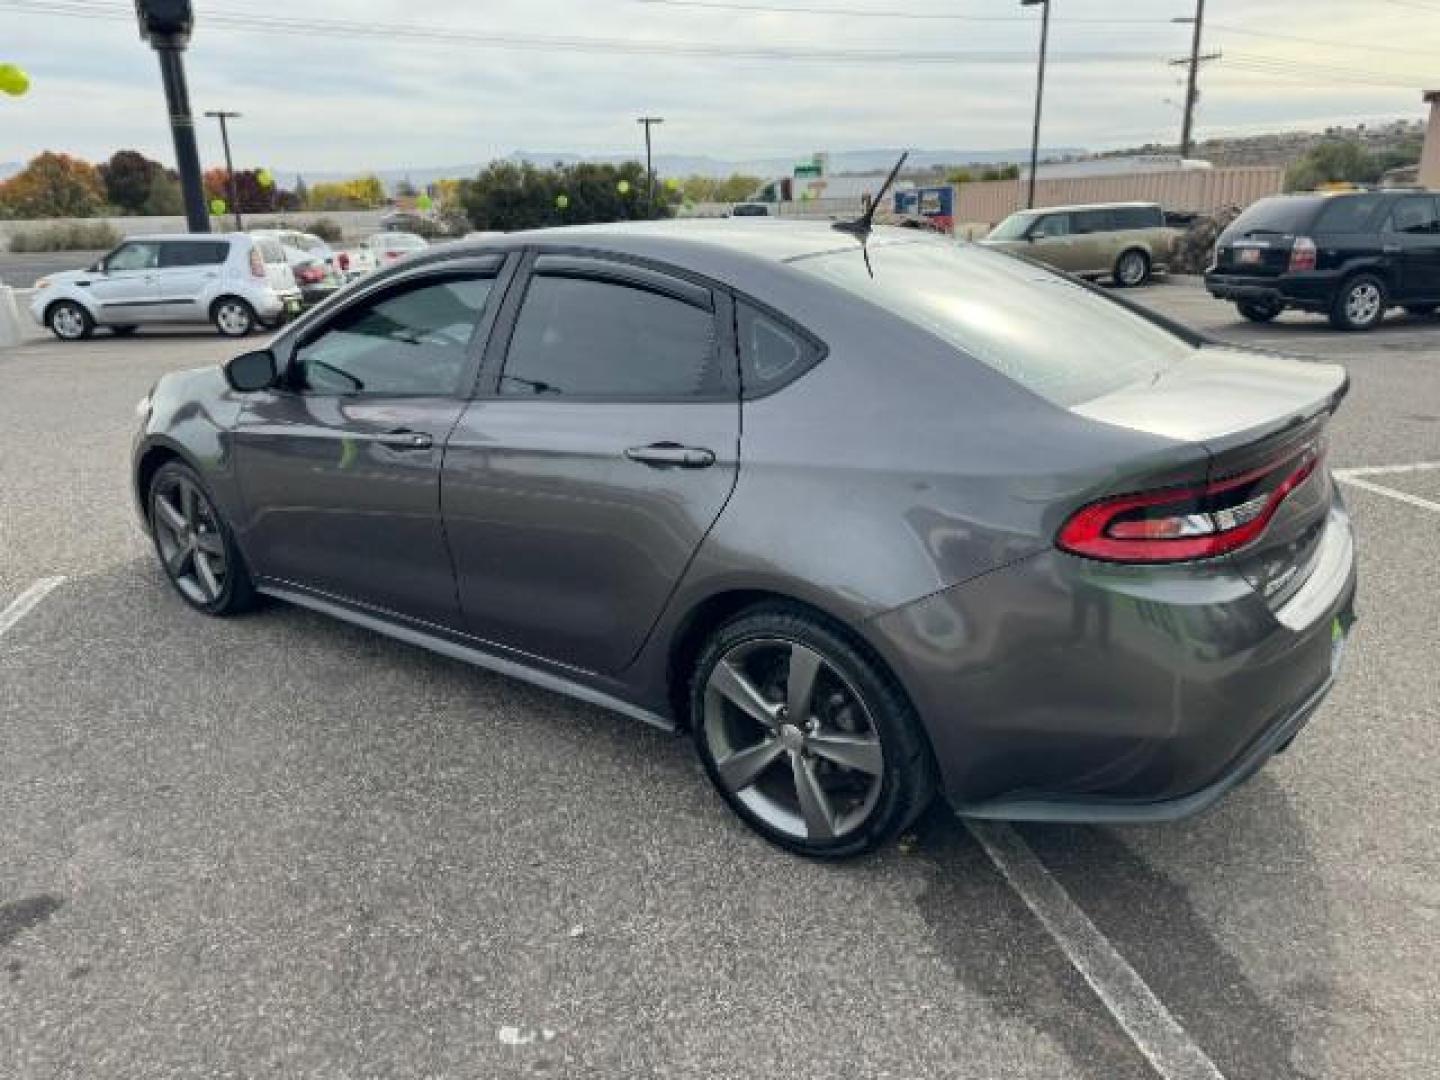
<point>1329,43</point>
<point>873,13</point>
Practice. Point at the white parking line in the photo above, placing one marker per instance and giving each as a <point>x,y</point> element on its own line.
<point>1381,470</point>
<point>25,603</point>
<point>1354,477</point>
<point>1151,1027</point>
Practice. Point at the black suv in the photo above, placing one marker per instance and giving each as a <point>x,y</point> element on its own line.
<point>1350,256</point>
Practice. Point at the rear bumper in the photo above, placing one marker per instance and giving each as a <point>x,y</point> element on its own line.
<point>1312,291</point>
<point>1059,689</point>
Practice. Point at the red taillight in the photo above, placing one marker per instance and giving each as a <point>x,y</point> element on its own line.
<point>1302,255</point>
<point>1182,524</point>
<point>344,259</point>
<point>257,264</point>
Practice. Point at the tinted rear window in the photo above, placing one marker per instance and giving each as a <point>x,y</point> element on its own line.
<point>1280,214</point>
<point>1350,214</point>
<point>1052,336</point>
<point>194,253</point>
<point>1138,217</point>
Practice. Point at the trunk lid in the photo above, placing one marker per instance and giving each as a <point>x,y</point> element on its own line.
<point>1252,412</point>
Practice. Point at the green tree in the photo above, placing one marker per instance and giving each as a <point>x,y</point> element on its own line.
<point>1333,160</point>
<point>129,176</point>
<point>959,176</point>
<point>164,199</point>
<point>53,185</point>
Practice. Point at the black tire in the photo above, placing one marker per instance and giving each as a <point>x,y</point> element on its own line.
<point>233,590</point>
<point>1360,303</point>
<point>68,321</point>
<point>900,786</point>
<point>233,317</point>
<point>1259,311</point>
<point>1421,309</point>
<point>1132,269</point>
<point>124,331</point>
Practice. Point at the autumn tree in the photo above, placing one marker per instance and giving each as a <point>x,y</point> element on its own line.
<point>53,185</point>
<point>129,177</point>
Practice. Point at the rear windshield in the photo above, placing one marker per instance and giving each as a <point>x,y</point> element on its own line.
<point>1052,336</point>
<point>1283,215</point>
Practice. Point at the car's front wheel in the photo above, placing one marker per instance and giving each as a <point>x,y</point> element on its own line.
<point>68,321</point>
<point>810,741</point>
<point>1260,311</point>
<point>1360,304</point>
<point>233,317</point>
<point>1132,269</point>
<point>195,545</point>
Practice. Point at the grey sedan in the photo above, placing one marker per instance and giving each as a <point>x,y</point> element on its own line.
<point>870,521</point>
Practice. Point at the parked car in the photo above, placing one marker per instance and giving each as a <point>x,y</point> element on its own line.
<point>1039,549</point>
<point>1125,242</point>
<point>388,247</point>
<point>1351,256</point>
<point>752,209</point>
<point>307,244</point>
<point>315,274</point>
<point>234,281</point>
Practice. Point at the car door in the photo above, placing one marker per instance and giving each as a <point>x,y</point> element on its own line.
<point>1052,242</point>
<point>186,271</point>
<point>602,448</point>
<point>124,290</point>
<point>1412,244</point>
<point>1097,244</point>
<point>340,465</point>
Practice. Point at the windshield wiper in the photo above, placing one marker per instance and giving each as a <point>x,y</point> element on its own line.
<point>862,226</point>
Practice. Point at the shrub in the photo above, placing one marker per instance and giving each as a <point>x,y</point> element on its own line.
<point>66,236</point>
<point>326,230</point>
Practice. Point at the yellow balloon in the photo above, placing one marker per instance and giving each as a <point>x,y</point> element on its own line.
<point>264,178</point>
<point>13,80</point>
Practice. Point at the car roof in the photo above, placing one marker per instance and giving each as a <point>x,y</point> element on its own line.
<point>182,237</point>
<point>1091,206</point>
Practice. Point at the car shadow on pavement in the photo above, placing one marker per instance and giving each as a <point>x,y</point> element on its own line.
<point>1269,873</point>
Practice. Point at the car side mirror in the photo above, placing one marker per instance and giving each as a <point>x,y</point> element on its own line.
<point>252,371</point>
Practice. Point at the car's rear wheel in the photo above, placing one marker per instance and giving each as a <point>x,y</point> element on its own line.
<point>1360,304</point>
<point>1132,269</point>
<point>809,739</point>
<point>68,321</point>
<point>233,317</point>
<point>195,545</point>
<point>1260,311</point>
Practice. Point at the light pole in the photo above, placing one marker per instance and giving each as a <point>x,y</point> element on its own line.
<point>166,25</point>
<point>223,116</point>
<point>1039,95</point>
<point>649,121</point>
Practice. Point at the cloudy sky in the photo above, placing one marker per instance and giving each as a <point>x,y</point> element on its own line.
<point>356,84</point>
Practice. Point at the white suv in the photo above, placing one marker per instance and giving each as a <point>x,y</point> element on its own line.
<point>234,281</point>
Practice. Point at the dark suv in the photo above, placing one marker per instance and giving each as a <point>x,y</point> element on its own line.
<point>1350,256</point>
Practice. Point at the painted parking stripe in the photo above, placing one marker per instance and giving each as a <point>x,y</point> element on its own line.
<point>1381,489</point>
<point>1382,470</point>
<point>1151,1027</point>
<point>26,602</point>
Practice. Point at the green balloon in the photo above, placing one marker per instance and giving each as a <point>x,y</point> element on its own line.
<point>13,80</point>
<point>672,184</point>
<point>562,202</point>
<point>623,187</point>
<point>424,202</point>
<point>217,207</point>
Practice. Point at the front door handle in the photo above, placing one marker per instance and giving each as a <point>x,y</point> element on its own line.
<point>406,440</point>
<point>673,455</point>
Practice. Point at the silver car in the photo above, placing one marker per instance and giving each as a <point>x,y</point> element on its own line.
<point>868,523</point>
<point>233,281</point>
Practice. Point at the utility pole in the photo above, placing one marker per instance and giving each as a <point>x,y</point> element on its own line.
<point>223,116</point>
<point>1039,95</point>
<point>649,121</point>
<point>166,25</point>
<point>1192,88</point>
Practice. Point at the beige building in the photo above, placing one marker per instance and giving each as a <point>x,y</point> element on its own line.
<point>1430,157</point>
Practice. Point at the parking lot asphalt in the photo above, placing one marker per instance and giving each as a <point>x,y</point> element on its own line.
<point>282,846</point>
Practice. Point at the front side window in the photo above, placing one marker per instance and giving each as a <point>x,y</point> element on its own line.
<point>1014,227</point>
<point>411,340</point>
<point>194,253</point>
<point>137,255</point>
<point>1053,225</point>
<point>1416,216</point>
<point>582,337</point>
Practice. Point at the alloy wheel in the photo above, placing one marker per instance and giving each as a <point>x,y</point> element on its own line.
<point>68,322</point>
<point>187,532</point>
<point>1362,303</point>
<point>1132,269</point>
<point>233,319</point>
<point>792,740</point>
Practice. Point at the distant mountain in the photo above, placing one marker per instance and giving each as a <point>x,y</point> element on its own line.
<point>841,161</point>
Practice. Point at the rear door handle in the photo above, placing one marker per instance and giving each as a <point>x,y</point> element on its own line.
<point>406,440</point>
<point>673,455</point>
